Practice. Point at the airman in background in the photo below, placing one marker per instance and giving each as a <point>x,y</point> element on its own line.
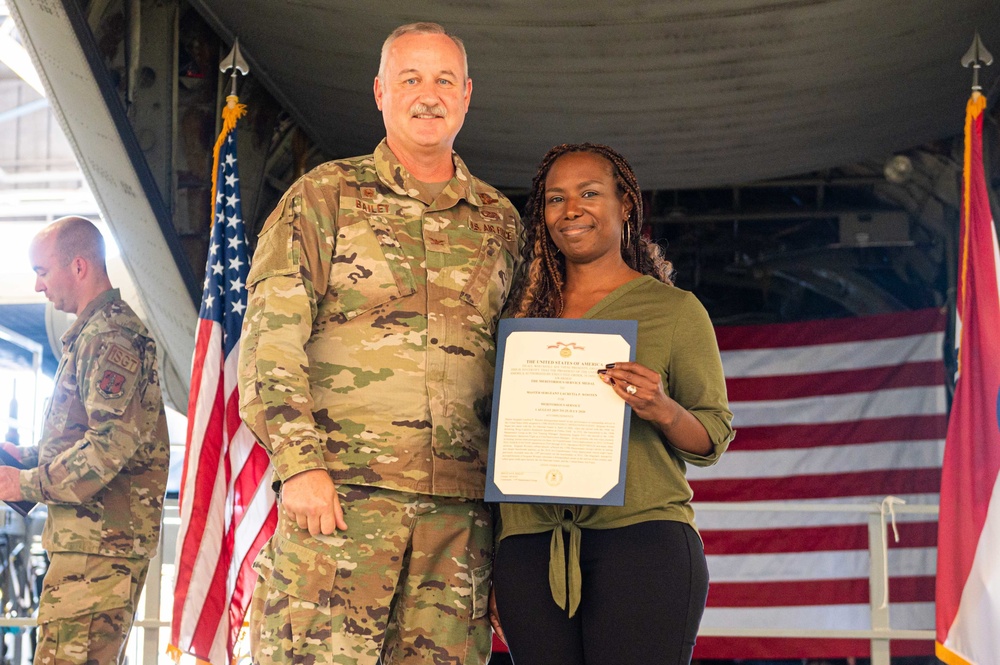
<point>101,463</point>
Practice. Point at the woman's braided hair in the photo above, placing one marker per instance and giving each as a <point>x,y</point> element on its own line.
<point>539,293</point>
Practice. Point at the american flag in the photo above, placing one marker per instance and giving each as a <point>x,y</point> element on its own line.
<point>227,507</point>
<point>835,411</point>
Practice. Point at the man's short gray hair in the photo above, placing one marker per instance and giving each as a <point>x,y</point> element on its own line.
<point>421,28</point>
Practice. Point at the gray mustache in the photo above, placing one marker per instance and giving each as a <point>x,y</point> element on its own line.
<point>437,109</point>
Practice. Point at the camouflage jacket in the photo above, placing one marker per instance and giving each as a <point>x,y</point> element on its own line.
<point>101,464</point>
<point>367,347</point>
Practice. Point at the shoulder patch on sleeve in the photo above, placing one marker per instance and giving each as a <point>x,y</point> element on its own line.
<point>111,385</point>
<point>113,378</point>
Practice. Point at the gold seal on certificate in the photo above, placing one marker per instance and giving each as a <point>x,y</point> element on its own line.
<point>559,434</point>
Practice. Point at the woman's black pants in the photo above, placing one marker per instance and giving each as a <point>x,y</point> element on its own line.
<point>643,593</point>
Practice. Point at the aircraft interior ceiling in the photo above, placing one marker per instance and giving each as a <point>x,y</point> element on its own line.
<point>800,158</point>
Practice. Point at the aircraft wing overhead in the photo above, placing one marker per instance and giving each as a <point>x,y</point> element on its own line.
<point>694,93</point>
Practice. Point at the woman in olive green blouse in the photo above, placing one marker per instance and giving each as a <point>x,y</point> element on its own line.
<point>577,584</point>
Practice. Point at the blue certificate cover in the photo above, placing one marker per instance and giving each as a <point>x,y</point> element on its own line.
<point>559,434</point>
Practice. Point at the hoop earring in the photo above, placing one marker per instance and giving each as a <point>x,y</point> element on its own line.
<point>628,233</point>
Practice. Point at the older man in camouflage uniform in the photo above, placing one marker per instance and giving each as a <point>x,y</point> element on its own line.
<point>101,464</point>
<point>366,367</point>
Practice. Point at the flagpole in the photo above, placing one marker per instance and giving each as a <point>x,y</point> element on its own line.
<point>976,57</point>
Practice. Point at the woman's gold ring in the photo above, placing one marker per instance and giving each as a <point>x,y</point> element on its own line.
<point>631,390</point>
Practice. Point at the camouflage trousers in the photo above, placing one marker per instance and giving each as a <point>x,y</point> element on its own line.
<point>408,581</point>
<point>87,608</point>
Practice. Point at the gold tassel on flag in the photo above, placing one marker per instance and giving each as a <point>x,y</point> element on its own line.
<point>176,655</point>
<point>233,112</point>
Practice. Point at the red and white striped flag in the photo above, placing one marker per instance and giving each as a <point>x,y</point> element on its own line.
<point>834,411</point>
<point>968,574</point>
<point>227,507</point>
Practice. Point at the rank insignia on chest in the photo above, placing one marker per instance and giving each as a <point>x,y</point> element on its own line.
<point>367,192</point>
<point>111,385</point>
<point>437,242</point>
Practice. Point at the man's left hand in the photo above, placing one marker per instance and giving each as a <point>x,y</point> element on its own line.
<point>10,484</point>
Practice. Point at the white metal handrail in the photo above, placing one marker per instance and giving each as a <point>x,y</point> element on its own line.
<point>880,633</point>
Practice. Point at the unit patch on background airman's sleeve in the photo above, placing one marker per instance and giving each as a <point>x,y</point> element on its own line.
<point>114,378</point>
<point>111,385</point>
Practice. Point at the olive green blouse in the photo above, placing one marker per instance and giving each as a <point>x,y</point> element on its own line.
<point>676,338</point>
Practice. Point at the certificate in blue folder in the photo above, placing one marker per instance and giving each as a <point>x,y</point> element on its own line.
<point>559,434</point>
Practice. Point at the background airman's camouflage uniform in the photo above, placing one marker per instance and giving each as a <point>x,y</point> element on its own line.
<point>101,468</point>
<point>368,351</point>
